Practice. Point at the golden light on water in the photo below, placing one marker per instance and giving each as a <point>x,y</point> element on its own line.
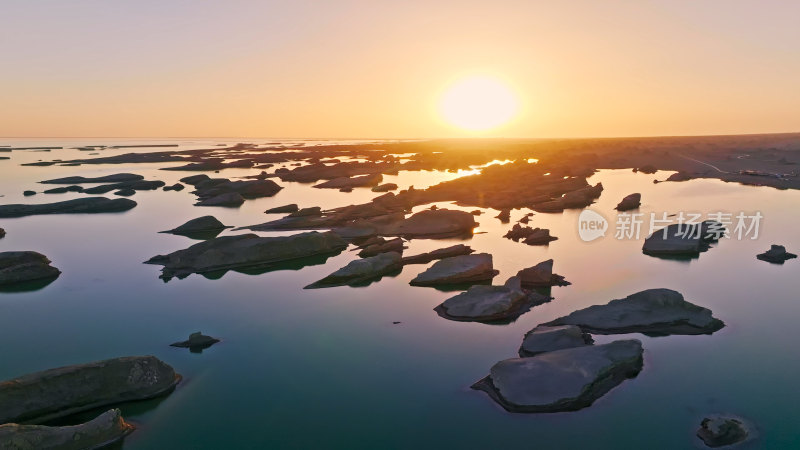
<point>478,103</point>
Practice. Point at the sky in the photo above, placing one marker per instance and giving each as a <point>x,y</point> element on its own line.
<point>378,68</point>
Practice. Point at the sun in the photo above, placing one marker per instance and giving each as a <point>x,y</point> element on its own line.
<point>478,103</point>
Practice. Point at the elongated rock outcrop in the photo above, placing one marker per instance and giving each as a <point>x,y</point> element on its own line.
<point>655,312</point>
<point>562,380</point>
<point>50,394</point>
<point>88,205</point>
<point>115,178</point>
<point>246,251</point>
<point>102,431</point>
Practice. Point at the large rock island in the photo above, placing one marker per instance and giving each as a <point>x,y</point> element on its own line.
<point>655,312</point>
<point>562,380</point>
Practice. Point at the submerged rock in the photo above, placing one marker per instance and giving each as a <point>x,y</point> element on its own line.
<point>541,275</point>
<point>88,205</point>
<point>776,254</point>
<point>683,239</point>
<point>197,341</point>
<point>457,270</point>
<point>246,251</point>
<point>102,431</point>
<point>632,201</point>
<point>2,233</point>
<point>283,209</point>
<point>361,271</point>
<point>547,339</point>
<point>115,178</point>
<point>28,193</point>
<point>201,226</point>
<point>483,303</point>
<point>447,252</point>
<point>656,312</point>
<point>562,380</point>
<point>720,431</point>
<point>51,394</point>
<point>231,199</point>
<point>20,267</point>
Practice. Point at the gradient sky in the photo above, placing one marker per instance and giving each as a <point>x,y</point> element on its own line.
<point>375,68</point>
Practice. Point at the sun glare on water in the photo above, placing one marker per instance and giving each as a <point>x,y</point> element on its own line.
<point>478,103</point>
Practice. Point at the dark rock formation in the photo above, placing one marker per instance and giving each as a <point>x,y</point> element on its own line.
<point>547,339</point>
<point>683,239</point>
<point>197,342</point>
<point>101,432</point>
<point>246,251</point>
<point>115,178</point>
<point>655,312</point>
<point>195,179</point>
<point>175,187</point>
<point>630,202</point>
<point>562,380</point>
<point>457,270</point>
<point>352,182</point>
<point>384,187</point>
<point>679,176</point>
<point>125,192</point>
<point>20,267</point>
<point>777,254</point>
<point>231,199</point>
<point>447,252</point>
<point>361,271</point>
<point>205,227</point>
<point>481,303</point>
<point>541,275</point>
<point>283,209</point>
<point>133,185</point>
<point>28,193</point>
<point>88,205</point>
<point>504,216</point>
<point>530,236</point>
<point>392,245</point>
<point>721,431</point>
<point>247,189</point>
<point>50,394</point>
<point>63,190</point>
<point>433,224</point>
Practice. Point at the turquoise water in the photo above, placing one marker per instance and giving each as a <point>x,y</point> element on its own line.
<point>327,368</point>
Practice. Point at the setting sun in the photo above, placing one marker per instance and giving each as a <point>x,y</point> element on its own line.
<point>478,103</point>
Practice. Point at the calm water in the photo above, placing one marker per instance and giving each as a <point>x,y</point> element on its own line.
<point>328,369</point>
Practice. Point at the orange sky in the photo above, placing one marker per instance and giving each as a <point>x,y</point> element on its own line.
<point>375,69</point>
